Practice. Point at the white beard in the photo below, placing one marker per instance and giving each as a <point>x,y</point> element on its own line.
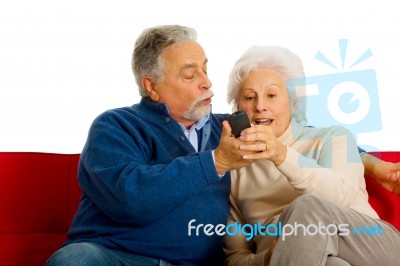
<point>197,110</point>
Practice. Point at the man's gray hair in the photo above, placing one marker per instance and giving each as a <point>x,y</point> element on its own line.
<point>274,57</point>
<point>149,46</point>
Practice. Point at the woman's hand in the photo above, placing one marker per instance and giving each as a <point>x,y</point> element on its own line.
<point>260,139</point>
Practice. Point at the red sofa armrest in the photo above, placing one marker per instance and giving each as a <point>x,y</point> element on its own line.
<point>39,195</point>
<point>386,204</point>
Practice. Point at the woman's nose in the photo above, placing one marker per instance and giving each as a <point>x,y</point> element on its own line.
<point>261,106</point>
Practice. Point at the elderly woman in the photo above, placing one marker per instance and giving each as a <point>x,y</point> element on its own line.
<point>305,201</point>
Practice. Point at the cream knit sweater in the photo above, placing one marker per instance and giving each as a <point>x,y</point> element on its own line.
<point>319,161</point>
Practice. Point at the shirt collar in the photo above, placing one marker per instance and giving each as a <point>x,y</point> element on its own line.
<point>198,125</point>
<point>164,109</point>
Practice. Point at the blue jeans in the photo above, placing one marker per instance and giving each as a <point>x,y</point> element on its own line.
<point>91,254</point>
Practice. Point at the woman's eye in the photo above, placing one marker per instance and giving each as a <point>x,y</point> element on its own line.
<point>249,99</point>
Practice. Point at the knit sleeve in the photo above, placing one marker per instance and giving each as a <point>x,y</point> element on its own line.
<point>135,178</point>
<point>337,173</point>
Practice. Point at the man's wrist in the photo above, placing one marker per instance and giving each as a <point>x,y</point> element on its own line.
<point>370,162</point>
<point>220,170</point>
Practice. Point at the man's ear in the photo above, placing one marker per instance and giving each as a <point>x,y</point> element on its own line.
<point>149,87</point>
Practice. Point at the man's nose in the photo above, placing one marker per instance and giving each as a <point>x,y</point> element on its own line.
<point>206,82</point>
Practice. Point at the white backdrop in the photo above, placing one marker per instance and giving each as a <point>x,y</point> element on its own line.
<point>64,62</point>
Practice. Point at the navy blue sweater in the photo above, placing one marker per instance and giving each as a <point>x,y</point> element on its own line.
<point>142,183</point>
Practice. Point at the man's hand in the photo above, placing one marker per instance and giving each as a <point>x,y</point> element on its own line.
<point>387,174</point>
<point>228,156</point>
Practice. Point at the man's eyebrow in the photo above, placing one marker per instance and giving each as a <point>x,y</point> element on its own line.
<point>194,65</point>
<point>187,66</point>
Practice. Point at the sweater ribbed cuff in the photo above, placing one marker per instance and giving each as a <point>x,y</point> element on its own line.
<point>208,166</point>
<point>259,259</point>
<point>290,166</point>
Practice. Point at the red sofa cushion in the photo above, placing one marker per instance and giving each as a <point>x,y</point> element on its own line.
<point>39,195</point>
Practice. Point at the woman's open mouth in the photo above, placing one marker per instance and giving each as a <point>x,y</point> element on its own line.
<point>263,121</point>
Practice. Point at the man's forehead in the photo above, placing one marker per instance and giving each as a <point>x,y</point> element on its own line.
<point>187,54</point>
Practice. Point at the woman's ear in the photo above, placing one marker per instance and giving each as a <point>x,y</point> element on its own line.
<point>149,87</point>
<point>237,104</point>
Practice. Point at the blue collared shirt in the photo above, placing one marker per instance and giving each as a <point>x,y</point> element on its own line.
<point>191,133</point>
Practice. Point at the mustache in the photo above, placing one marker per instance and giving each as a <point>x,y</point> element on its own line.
<point>206,95</point>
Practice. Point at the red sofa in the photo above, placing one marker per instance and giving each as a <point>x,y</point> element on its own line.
<point>39,195</point>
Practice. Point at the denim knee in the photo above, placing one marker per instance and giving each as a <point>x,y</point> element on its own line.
<point>81,254</point>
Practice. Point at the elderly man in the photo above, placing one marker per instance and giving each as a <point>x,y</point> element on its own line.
<point>146,171</point>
